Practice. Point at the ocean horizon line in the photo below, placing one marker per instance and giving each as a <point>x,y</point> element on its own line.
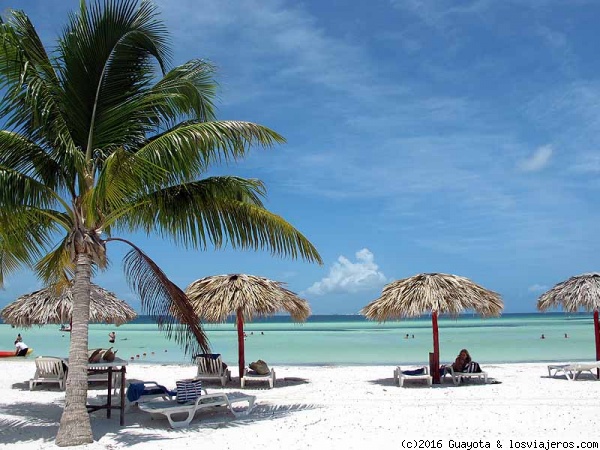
<point>285,318</point>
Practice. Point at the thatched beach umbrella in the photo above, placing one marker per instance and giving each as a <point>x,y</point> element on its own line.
<point>578,292</point>
<point>216,297</point>
<point>52,306</point>
<point>432,293</point>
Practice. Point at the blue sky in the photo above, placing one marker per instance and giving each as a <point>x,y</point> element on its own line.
<point>422,136</point>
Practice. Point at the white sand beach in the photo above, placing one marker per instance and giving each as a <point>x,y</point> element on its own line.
<point>328,407</point>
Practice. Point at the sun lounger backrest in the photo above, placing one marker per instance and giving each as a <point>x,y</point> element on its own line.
<point>48,370</point>
<point>49,367</point>
<point>209,365</point>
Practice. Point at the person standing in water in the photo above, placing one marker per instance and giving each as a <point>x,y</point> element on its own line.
<point>111,337</point>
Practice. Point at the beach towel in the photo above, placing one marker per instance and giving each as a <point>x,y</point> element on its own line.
<point>136,390</point>
<point>420,371</point>
<point>472,367</point>
<point>260,367</point>
<point>188,390</point>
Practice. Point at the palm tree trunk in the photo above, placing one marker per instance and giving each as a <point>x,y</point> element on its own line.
<point>75,427</point>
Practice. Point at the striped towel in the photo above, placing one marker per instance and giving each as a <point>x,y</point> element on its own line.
<point>188,390</point>
<point>472,367</point>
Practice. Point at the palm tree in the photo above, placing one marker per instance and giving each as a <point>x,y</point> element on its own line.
<point>102,137</point>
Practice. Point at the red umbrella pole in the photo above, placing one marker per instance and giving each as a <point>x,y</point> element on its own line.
<point>240,330</point>
<point>597,336</point>
<point>436,348</point>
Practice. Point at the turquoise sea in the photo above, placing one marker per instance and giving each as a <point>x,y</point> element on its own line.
<point>345,340</point>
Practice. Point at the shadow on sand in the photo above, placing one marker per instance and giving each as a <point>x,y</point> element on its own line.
<point>34,421</point>
<point>417,384</point>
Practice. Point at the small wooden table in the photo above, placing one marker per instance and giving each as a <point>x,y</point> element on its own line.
<point>119,366</point>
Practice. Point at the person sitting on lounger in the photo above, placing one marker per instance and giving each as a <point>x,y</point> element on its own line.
<point>462,363</point>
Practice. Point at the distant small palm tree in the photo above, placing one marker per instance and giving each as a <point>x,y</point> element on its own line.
<point>97,142</point>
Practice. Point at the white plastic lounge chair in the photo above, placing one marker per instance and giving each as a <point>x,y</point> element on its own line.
<point>400,377</point>
<point>171,409</point>
<point>457,377</point>
<point>48,370</point>
<point>250,375</point>
<point>573,370</point>
<point>210,367</point>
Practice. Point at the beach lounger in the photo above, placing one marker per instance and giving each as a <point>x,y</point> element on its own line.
<point>48,370</point>
<point>173,410</point>
<point>210,367</point>
<point>458,377</point>
<point>421,373</point>
<point>573,370</point>
<point>251,375</point>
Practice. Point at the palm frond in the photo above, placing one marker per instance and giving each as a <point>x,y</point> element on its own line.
<point>11,259</point>
<point>171,202</point>
<point>166,303</point>
<point>55,265</point>
<point>188,150</point>
<point>17,189</point>
<point>113,47</point>
<point>187,91</point>
<point>122,178</point>
<point>218,210</point>
<point>25,235</point>
<point>25,156</point>
<point>32,95</point>
<point>173,158</point>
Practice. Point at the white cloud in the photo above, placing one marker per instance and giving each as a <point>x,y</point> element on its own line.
<point>537,288</point>
<point>283,43</point>
<point>537,161</point>
<point>348,276</point>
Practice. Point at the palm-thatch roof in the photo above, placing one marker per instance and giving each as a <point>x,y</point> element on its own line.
<point>216,297</point>
<point>50,306</point>
<point>432,293</point>
<point>578,292</point>
<point>427,292</point>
